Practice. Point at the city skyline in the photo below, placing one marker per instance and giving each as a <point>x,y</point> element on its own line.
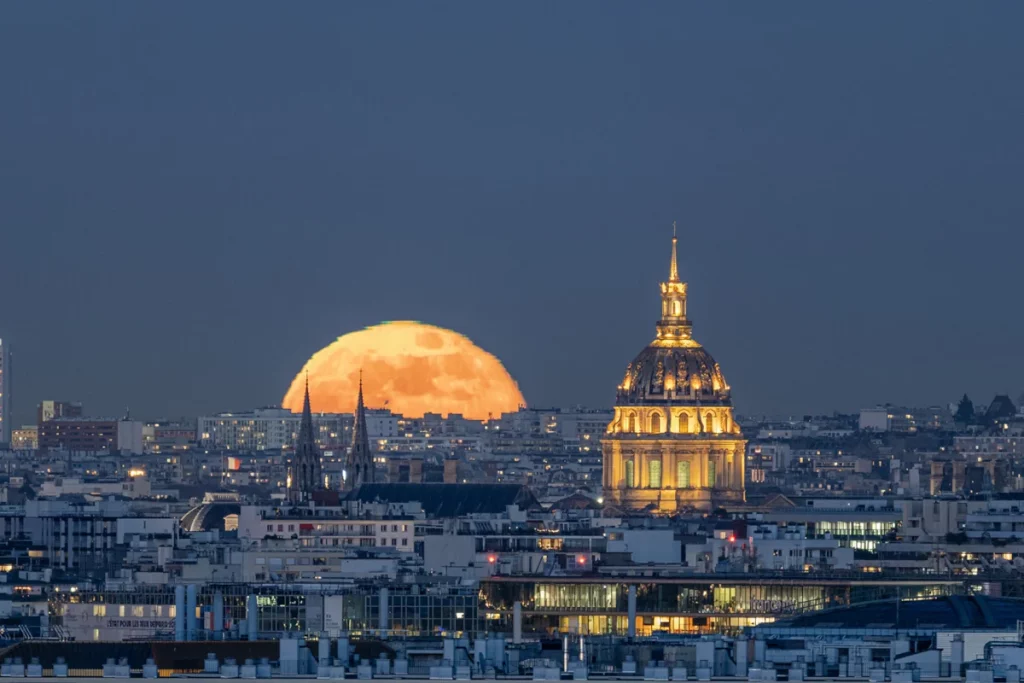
<point>185,227</point>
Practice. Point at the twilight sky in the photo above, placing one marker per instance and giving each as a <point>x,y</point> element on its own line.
<point>195,197</point>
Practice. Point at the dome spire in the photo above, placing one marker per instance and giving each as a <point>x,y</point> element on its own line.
<point>674,327</point>
<point>673,270</point>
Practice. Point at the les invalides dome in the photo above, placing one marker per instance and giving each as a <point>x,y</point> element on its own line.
<point>673,443</point>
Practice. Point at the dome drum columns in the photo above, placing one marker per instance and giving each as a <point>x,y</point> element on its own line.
<point>667,475</point>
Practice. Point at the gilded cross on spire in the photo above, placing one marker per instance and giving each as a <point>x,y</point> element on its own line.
<point>673,271</point>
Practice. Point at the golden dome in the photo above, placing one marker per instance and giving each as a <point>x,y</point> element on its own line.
<point>669,374</point>
<point>673,443</point>
<point>673,368</point>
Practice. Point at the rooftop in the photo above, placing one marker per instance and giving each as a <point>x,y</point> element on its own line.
<point>449,500</point>
<point>954,611</point>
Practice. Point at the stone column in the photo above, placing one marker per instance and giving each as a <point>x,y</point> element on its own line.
<point>741,469</point>
<point>701,462</point>
<point>669,469</point>
<point>616,466</point>
<point>606,473</point>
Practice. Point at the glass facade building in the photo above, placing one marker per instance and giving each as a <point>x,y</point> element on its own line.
<point>690,605</point>
<point>149,612</point>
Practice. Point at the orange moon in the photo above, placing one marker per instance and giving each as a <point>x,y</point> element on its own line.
<point>415,368</point>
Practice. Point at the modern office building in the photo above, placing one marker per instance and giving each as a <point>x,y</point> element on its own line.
<point>628,604</point>
<point>91,435</point>
<point>51,410</point>
<point>269,429</point>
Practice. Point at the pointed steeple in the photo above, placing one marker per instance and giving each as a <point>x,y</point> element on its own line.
<point>673,269</point>
<point>359,469</point>
<point>306,424</point>
<point>306,470</point>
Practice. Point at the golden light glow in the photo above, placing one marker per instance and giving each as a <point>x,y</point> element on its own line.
<point>661,458</point>
<point>412,367</point>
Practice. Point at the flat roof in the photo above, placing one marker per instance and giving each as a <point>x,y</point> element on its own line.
<point>737,579</point>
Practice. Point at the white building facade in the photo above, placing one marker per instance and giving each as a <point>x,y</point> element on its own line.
<point>266,429</point>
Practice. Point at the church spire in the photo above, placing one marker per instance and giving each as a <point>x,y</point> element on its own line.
<point>306,411</point>
<point>673,269</point>
<point>305,473</point>
<point>306,423</point>
<point>359,467</point>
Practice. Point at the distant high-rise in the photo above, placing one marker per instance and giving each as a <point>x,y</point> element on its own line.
<point>5,393</point>
<point>54,410</point>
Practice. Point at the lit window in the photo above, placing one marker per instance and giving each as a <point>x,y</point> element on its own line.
<point>654,473</point>
<point>683,475</point>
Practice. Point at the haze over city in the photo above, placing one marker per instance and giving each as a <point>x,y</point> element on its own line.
<point>194,203</point>
<point>459,341</point>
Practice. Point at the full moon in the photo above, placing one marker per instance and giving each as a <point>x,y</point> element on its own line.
<point>409,367</point>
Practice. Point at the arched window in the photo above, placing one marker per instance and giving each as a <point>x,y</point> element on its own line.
<point>683,475</point>
<point>677,308</point>
<point>684,423</point>
<point>629,474</point>
<point>712,474</point>
<point>631,422</point>
<point>656,423</point>
<point>709,422</point>
<point>654,473</point>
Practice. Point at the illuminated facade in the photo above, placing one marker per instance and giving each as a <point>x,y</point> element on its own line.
<point>673,443</point>
<point>695,604</point>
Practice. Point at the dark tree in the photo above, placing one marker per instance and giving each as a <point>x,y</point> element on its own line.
<point>965,411</point>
